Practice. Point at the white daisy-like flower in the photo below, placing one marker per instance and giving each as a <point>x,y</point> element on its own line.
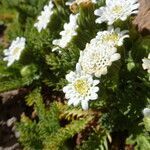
<point>68,32</point>
<point>45,16</point>
<point>70,2</point>
<point>84,1</point>
<point>146,63</point>
<point>95,60</point>
<point>111,37</point>
<point>146,112</point>
<point>14,51</point>
<point>81,88</point>
<point>116,9</point>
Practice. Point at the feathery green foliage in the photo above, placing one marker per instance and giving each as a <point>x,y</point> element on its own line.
<point>47,129</point>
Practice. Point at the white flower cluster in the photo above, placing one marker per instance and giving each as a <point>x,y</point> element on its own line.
<point>146,63</point>
<point>45,16</point>
<point>116,9</point>
<point>94,60</point>
<point>100,53</point>
<point>68,32</point>
<point>14,51</point>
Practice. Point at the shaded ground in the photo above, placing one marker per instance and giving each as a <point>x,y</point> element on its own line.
<point>12,106</point>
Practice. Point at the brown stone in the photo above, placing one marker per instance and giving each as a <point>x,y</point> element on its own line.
<point>142,20</point>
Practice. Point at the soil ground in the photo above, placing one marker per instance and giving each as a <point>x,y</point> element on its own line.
<point>12,106</point>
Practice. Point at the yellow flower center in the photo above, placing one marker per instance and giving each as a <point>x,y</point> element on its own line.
<point>111,37</point>
<point>117,9</point>
<point>69,32</point>
<point>81,86</point>
<point>16,50</point>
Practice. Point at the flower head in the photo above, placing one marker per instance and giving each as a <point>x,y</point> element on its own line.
<point>81,88</point>
<point>84,1</point>
<point>116,9</point>
<point>45,16</point>
<point>68,32</point>
<point>111,37</point>
<point>14,51</point>
<point>95,60</point>
<point>70,2</point>
<point>146,112</point>
<point>146,63</point>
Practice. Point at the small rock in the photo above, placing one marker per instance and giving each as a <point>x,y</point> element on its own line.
<point>8,95</point>
<point>11,121</point>
<point>13,147</point>
<point>142,20</point>
<point>17,134</point>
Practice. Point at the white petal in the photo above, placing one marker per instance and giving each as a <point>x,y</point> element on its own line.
<point>95,89</point>
<point>97,12</point>
<point>70,102</point>
<point>98,74</point>
<point>84,104</point>
<point>78,67</point>
<point>123,18</point>
<point>68,95</point>
<point>76,102</point>
<point>66,89</point>
<point>71,76</point>
<point>96,82</point>
<point>115,57</point>
<point>93,96</point>
<point>103,71</point>
<point>149,56</point>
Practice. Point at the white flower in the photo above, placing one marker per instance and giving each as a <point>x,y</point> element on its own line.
<point>81,88</point>
<point>57,49</point>
<point>84,1</point>
<point>70,2</point>
<point>14,51</point>
<point>95,60</point>
<point>116,9</point>
<point>111,37</point>
<point>94,1</point>
<point>146,63</point>
<point>45,16</point>
<point>146,112</point>
<point>68,32</point>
